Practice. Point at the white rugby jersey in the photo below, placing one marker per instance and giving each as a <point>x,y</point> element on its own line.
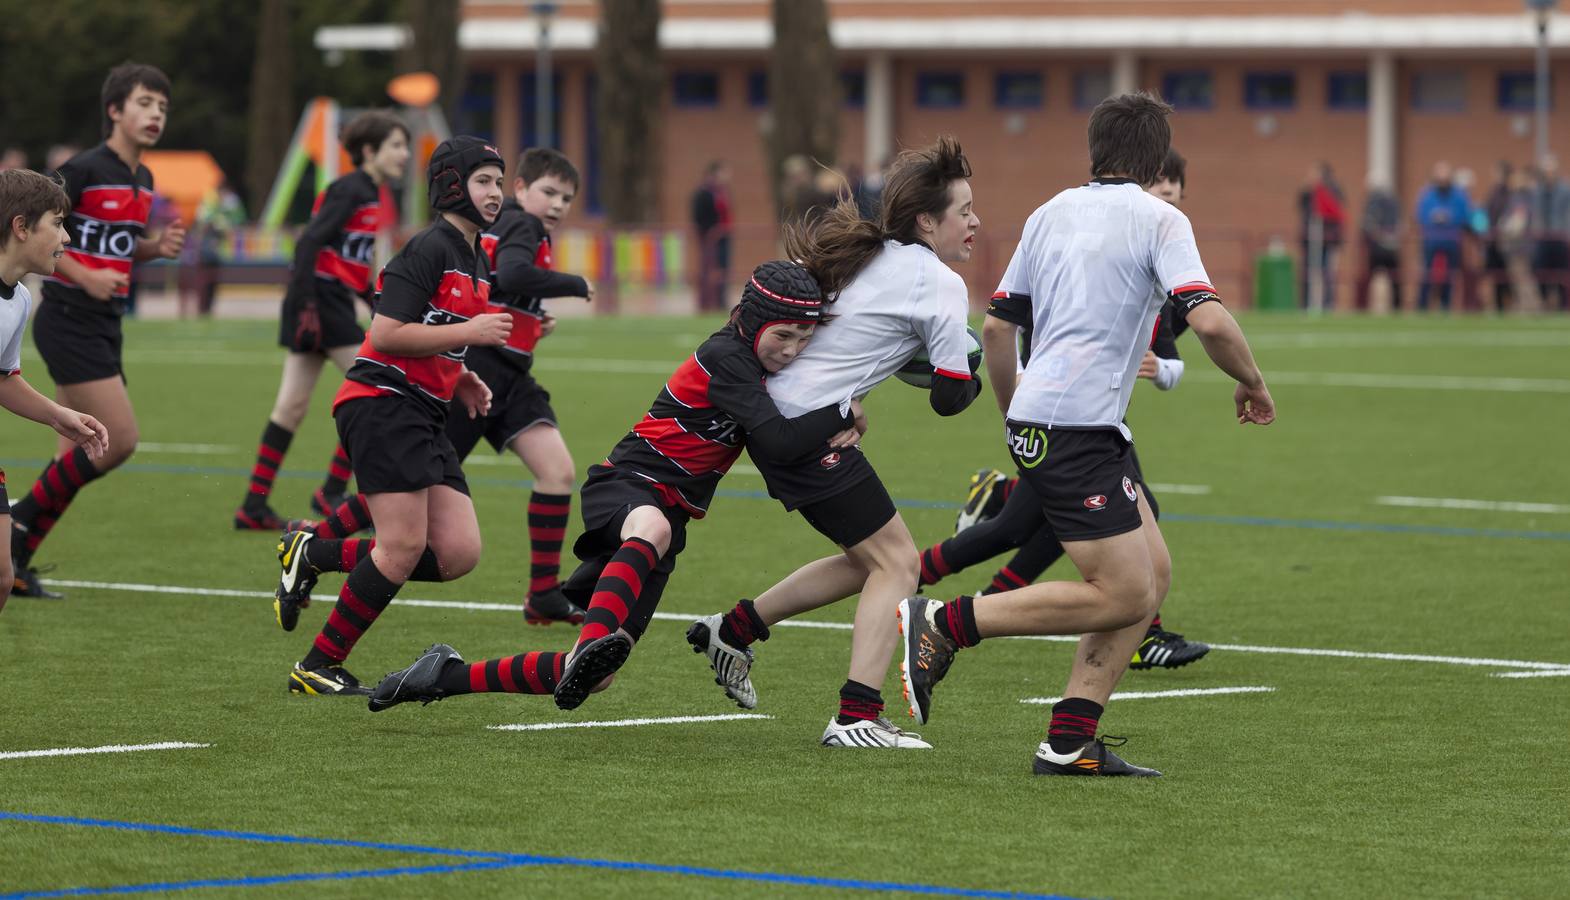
<point>1095,263</point>
<point>906,298</point>
<point>14,304</point>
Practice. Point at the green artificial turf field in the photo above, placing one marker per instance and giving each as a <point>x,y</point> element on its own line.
<point>1396,752</point>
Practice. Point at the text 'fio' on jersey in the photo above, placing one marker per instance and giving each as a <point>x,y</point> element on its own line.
<point>110,206</point>
<point>344,223</point>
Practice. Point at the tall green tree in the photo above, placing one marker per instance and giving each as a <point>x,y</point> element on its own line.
<point>631,84</point>
<point>433,47</point>
<point>804,95</point>
<point>272,112</point>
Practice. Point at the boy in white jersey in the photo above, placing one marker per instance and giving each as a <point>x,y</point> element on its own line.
<point>1086,269</point>
<point>32,237</point>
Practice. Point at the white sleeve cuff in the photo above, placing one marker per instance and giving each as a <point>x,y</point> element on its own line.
<point>1168,373</point>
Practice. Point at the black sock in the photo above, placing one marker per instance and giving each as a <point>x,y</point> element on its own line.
<point>858,703</point>
<point>427,569</point>
<point>742,625</point>
<point>957,622</point>
<point>1074,723</point>
<point>269,457</point>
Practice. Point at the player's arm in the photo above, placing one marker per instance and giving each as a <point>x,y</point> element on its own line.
<point>1162,364</point>
<point>19,397</point>
<point>738,390</point>
<point>1224,343</point>
<point>516,272</point>
<point>399,329</point>
<point>940,320</point>
<point>1006,315</point>
<point>165,243</point>
<point>336,208</point>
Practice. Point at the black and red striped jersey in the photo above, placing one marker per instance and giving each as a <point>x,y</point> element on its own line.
<point>438,278</point>
<point>519,250</point>
<point>110,206</point>
<point>336,249</point>
<point>713,406</point>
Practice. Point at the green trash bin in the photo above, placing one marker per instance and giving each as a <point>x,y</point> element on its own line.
<point>1275,282</point>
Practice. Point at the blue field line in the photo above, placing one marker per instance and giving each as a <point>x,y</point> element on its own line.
<point>916,503</point>
<point>482,861</point>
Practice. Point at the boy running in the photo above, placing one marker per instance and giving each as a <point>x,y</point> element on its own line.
<point>332,266</point>
<point>1084,278</point>
<point>32,215</point>
<point>77,328</point>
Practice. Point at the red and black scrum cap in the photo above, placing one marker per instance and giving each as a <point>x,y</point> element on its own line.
<point>451,165</point>
<point>779,291</point>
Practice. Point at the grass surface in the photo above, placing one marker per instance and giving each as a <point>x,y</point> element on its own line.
<point>1354,777</point>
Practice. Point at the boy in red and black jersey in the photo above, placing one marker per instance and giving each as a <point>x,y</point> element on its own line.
<point>77,327</point>
<point>392,416</point>
<point>521,417</point>
<point>332,266</point>
<point>636,504</point>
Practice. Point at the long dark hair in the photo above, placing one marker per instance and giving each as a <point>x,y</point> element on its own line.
<point>841,243</point>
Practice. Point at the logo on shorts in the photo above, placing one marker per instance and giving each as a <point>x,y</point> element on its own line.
<point>1128,490</point>
<point>829,460</point>
<point>1097,502</point>
<point>1029,446</point>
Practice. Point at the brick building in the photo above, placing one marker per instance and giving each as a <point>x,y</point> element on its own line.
<point>1264,90</point>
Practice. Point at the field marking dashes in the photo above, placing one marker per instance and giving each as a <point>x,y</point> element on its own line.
<point>625,723</point>
<point>109,748</point>
<point>515,608</point>
<point>1485,505</point>
<point>1540,673</point>
<point>1152,695</point>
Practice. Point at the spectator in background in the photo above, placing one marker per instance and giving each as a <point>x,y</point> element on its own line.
<point>58,155</point>
<point>1551,227</point>
<point>1322,213</point>
<point>1495,273</point>
<point>1512,230</point>
<point>1443,215</point>
<point>13,158</point>
<point>796,194</point>
<point>869,193</point>
<point>219,214</point>
<point>1381,229</point>
<point>712,218</point>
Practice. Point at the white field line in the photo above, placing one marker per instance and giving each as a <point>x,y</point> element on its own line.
<point>1151,695</point>
<point>111,748</point>
<point>1405,382</point>
<point>1541,673</point>
<point>1305,339</point>
<point>194,449</point>
<point>625,723</point>
<point>1487,505</point>
<point>1516,664</point>
<point>1197,489</point>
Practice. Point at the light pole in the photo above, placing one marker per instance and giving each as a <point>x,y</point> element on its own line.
<point>1542,8</point>
<point>544,10</point>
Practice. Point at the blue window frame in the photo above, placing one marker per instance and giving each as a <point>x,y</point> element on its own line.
<point>1439,91</point>
<point>940,90</point>
<point>1347,91</point>
<point>477,106</point>
<point>696,88</point>
<point>1091,87</point>
<point>1518,92</point>
<point>1193,89</point>
<point>1270,90</point>
<point>757,88</point>
<point>526,133</point>
<point>853,85</point>
<point>1019,90</point>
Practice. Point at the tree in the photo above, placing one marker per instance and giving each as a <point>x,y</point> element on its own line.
<point>630,88</point>
<point>433,47</point>
<point>272,111</point>
<point>804,93</point>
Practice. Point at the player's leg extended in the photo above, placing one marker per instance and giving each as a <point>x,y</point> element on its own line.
<point>453,536</point>
<point>545,454</point>
<point>6,572</point>
<point>301,371</point>
<point>335,487</point>
<point>1014,524</point>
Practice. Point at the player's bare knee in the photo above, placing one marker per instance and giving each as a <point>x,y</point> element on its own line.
<point>649,524</point>
<point>457,557</point>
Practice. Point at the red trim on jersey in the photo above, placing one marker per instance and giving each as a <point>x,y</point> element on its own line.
<point>1155,330</point>
<point>957,376</point>
<point>694,454</point>
<point>689,384</point>
<point>458,298</point>
<point>1193,286</point>
<point>116,203</point>
<point>354,275</point>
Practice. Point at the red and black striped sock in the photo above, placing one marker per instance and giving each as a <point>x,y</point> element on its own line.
<point>54,490</point>
<point>526,673</point>
<point>338,473</point>
<point>329,555</point>
<point>1005,580</point>
<point>858,703</point>
<point>269,458</point>
<point>350,517</point>
<point>933,567</point>
<point>1074,723</point>
<point>742,625</point>
<point>365,594</point>
<point>617,590</point>
<point>548,515</point>
<point>957,622</point>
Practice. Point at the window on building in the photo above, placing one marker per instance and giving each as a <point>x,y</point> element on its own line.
<point>1439,91</point>
<point>1518,92</point>
<point>940,90</point>
<point>696,88</point>
<point>853,85</point>
<point>1347,91</point>
<point>1018,90</point>
<point>1270,90</point>
<point>1189,89</point>
<point>528,131</point>
<point>757,88</point>
<point>1092,87</point>
<point>477,105</point>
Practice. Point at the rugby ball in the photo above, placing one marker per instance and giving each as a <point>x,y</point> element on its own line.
<point>918,371</point>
